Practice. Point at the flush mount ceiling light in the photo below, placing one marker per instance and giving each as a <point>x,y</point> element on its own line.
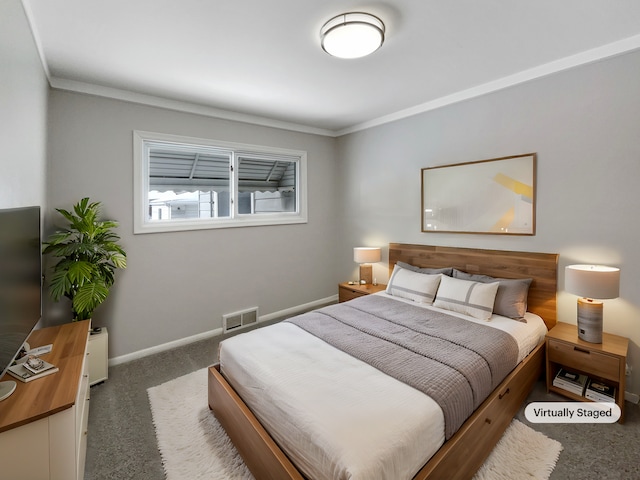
<point>352,35</point>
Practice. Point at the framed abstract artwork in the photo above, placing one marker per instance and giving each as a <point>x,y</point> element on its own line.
<point>495,196</point>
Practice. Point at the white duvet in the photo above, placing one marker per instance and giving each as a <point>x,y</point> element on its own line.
<point>335,416</point>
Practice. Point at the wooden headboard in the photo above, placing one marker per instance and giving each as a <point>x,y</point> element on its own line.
<point>541,267</point>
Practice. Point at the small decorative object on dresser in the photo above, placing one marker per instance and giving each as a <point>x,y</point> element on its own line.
<point>603,363</point>
<point>348,291</point>
<point>26,372</point>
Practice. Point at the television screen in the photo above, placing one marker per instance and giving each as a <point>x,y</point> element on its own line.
<point>20,279</point>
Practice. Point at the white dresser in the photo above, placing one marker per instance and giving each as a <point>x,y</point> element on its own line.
<point>43,424</point>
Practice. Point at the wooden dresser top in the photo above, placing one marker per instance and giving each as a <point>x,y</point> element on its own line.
<point>53,393</point>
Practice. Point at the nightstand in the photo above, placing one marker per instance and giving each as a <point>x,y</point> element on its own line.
<point>604,361</point>
<point>349,292</point>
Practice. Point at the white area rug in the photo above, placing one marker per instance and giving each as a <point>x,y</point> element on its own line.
<point>521,453</point>
<point>193,445</point>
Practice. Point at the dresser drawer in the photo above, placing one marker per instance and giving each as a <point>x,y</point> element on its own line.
<point>346,294</point>
<point>584,359</point>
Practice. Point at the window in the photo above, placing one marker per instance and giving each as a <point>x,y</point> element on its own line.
<point>186,183</point>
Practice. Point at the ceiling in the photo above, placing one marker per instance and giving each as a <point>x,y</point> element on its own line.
<point>261,61</point>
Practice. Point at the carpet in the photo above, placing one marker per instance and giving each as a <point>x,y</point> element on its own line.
<point>193,445</point>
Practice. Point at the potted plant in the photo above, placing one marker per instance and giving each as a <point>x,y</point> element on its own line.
<point>89,255</point>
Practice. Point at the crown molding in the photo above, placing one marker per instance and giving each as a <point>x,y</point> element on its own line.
<point>590,56</point>
<point>181,106</point>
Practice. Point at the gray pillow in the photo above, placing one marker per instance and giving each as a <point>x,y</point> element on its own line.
<point>429,271</point>
<point>511,299</point>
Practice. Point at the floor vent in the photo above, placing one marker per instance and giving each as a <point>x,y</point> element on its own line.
<point>238,320</point>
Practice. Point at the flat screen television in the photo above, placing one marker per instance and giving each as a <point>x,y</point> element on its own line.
<point>20,284</point>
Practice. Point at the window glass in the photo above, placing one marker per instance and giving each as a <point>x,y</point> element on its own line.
<point>266,185</point>
<point>184,184</point>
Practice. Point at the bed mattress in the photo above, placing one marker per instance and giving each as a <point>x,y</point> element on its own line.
<point>335,416</point>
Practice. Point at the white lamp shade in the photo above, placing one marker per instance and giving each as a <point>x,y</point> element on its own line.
<point>592,281</point>
<point>352,35</point>
<point>366,254</point>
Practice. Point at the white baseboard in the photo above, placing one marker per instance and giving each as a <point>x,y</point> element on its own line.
<point>632,397</point>
<point>216,332</point>
<point>163,347</point>
<point>287,312</point>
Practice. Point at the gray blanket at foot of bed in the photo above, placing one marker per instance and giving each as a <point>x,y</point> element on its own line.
<point>456,362</point>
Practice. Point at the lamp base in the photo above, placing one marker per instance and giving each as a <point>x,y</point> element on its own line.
<point>366,273</point>
<point>590,320</point>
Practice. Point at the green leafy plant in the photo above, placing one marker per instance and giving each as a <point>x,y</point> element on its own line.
<point>89,256</point>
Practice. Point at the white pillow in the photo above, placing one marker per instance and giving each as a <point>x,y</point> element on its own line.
<point>463,296</point>
<point>419,287</point>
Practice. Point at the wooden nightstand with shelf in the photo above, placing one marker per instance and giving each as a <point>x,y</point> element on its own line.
<point>604,361</point>
<point>349,292</point>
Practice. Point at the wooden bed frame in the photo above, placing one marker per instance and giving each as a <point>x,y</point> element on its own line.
<point>462,455</point>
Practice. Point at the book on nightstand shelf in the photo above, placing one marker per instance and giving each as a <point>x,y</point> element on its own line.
<point>572,382</point>
<point>25,373</point>
<point>600,392</point>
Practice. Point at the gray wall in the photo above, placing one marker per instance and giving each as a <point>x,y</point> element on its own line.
<point>180,284</point>
<point>23,112</point>
<point>584,125</point>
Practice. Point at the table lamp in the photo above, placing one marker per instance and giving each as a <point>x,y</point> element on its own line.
<point>365,256</point>
<point>591,282</point>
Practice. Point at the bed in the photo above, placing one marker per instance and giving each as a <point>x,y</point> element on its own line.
<point>455,452</point>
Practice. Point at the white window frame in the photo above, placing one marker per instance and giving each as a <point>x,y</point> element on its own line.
<point>141,187</point>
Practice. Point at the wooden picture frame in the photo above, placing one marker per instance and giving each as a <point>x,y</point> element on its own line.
<point>495,196</point>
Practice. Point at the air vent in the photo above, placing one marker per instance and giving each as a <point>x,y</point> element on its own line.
<point>238,320</point>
